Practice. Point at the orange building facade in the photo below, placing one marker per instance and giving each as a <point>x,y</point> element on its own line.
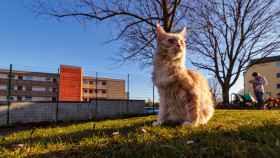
<point>74,86</point>
<point>70,83</point>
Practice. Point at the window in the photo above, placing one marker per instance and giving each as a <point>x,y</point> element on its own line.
<point>19,98</point>
<point>28,98</point>
<point>54,79</point>
<point>20,88</point>
<point>12,98</point>
<point>278,86</point>
<point>103,91</point>
<point>96,83</point>
<point>28,78</point>
<point>28,88</point>
<point>85,91</point>
<point>277,64</point>
<point>96,91</point>
<point>48,79</point>
<point>277,75</point>
<point>90,91</point>
<point>13,76</point>
<point>103,83</point>
<point>53,99</point>
<point>12,87</point>
<point>20,77</point>
<point>54,89</point>
<point>48,89</point>
<point>90,82</point>
<point>85,82</point>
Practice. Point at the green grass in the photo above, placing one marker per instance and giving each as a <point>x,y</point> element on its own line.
<point>230,133</point>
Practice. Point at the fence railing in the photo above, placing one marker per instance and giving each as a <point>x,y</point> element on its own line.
<point>26,83</point>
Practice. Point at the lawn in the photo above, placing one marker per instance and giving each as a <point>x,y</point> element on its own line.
<point>230,133</point>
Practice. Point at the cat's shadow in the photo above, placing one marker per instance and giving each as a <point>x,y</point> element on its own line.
<point>172,124</point>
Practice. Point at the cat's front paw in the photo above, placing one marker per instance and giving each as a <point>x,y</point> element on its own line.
<point>187,123</point>
<point>156,123</point>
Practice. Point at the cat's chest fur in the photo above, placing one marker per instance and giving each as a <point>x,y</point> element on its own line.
<point>164,76</point>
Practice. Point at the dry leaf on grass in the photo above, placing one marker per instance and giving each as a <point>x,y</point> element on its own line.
<point>20,145</point>
<point>205,148</point>
<point>232,122</point>
<point>143,130</point>
<point>116,133</point>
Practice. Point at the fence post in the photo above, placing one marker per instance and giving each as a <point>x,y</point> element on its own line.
<point>153,99</point>
<point>96,91</point>
<point>90,117</point>
<point>9,94</point>
<point>127,108</point>
<point>57,93</point>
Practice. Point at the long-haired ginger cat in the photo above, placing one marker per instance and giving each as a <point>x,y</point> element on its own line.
<point>184,94</point>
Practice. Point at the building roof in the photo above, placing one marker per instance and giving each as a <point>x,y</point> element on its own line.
<point>69,66</point>
<point>265,60</point>
<point>29,73</point>
<point>44,74</point>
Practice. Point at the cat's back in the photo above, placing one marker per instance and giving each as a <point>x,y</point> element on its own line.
<point>196,76</point>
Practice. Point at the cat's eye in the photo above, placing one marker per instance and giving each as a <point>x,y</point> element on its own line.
<point>171,41</point>
<point>181,42</point>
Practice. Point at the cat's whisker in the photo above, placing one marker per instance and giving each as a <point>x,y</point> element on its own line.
<point>166,47</point>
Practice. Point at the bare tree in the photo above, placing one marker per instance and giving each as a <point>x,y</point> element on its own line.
<point>242,30</point>
<point>215,88</point>
<point>133,21</point>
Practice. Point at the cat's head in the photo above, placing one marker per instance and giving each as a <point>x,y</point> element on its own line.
<point>169,45</point>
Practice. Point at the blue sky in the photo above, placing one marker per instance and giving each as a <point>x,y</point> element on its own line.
<point>45,42</point>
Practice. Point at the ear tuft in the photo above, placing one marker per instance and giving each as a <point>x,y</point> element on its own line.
<point>183,32</point>
<point>160,33</point>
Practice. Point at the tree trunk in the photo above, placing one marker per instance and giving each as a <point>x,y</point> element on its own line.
<point>166,16</point>
<point>225,89</point>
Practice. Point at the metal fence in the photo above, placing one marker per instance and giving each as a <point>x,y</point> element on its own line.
<point>70,84</point>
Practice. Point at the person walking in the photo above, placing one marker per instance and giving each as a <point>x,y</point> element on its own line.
<point>258,83</point>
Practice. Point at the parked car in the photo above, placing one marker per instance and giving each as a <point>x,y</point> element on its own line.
<point>149,110</point>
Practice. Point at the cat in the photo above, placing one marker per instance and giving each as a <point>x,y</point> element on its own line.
<point>184,94</point>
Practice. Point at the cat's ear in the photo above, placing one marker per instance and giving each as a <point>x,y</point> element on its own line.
<point>160,33</point>
<point>183,32</point>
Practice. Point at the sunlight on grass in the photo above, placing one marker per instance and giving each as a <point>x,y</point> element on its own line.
<point>235,133</point>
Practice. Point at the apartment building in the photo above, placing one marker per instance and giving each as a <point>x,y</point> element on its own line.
<point>69,85</point>
<point>28,86</point>
<point>74,86</point>
<point>268,67</point>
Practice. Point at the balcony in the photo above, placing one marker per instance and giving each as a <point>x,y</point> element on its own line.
<point>28,83</point>
<point>92,86</point>
<point>93,95</point>
<point>28,93</point>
